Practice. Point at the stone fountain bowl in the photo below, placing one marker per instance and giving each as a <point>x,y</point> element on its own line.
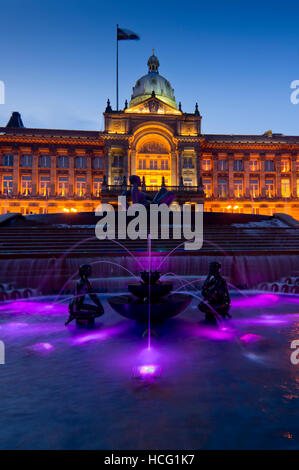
<point>154,291</point>
<point>161,309</point>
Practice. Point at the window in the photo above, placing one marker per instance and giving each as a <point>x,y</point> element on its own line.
<point>222,164</point>
<point>26,161</point>
<point>285,187</point>
<point>80,185</point>
<point>207,164</point>
<point>81,162</point>
<point>8,160</point>
<point>238,187</point>
<point>207,186</point>
<point>7,184</point>
<point>253,165</point>
<point>142,164</point>
<point>222,187</point>
<point>188,182</point>
<point>164,164</point>
<point>63,162</point>
<point>98,163</point>
<point>285,165</point>
<point>26,185</point>
<point>238,165</point>
<point>97,184</point>
<point>44,185</point>
<point>153,164</point>
<point>269,165</point>
<point>117,161</point>
<point>63,185</point>
<point>44,161</point>
<point>254,188</point>
<point>188,162</point>
<point>269,187</point>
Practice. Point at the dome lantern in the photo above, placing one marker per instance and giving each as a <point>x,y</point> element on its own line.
<point>153,63</point>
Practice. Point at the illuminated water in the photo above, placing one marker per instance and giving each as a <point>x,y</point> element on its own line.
<point>197,388</point>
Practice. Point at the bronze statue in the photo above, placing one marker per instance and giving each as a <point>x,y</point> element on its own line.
<point>78,309</point>
<point>163,196</point>
<point>216,296</point>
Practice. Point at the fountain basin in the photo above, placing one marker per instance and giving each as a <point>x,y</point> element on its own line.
<point>161,309</point>
<point>154,291</point>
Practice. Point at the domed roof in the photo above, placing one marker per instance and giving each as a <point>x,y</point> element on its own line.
<point>153,81</point>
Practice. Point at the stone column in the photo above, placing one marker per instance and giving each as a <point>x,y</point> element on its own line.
<point>198,163</point>
<point>174,181</point>
<point>293,175</point>
<point>53,175</point>
<point>230,175</point>
<point>34,175</point>
<point>246,175</point>
<point>133,163</point>
<point>126,161</point>
<point>262,175</point>
<point>15,173</point>
<point>180,164</point>
<point>71,174</point>
<point>107,166</point>
<point>88,175</point>
<point>278,174</point>
<point>215,174</point>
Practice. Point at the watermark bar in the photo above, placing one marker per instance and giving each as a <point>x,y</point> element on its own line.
<point>136,221</point>
<point>2,353</point>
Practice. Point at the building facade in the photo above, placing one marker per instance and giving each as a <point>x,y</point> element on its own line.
<point>45,170</point>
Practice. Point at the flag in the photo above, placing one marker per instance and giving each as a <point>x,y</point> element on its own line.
<point>126,34</point>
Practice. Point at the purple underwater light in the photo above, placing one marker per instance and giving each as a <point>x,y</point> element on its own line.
<point>147,371</point>
<point>41,347</point>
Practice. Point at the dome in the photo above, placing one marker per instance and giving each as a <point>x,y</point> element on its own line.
<point>153,81</point>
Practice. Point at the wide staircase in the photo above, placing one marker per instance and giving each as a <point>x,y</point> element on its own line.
<point>24,242</point>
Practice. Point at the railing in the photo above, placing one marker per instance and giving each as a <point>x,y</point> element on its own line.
<point>119,188</point>
<point>48,197</point>
<point>281,199</point>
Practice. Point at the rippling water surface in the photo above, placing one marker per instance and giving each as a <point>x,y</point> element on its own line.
<point>199,387</point>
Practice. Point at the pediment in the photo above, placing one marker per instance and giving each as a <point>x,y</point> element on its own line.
<point>153,105</point>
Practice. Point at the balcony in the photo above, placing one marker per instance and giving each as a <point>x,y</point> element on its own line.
<point>182,193</point>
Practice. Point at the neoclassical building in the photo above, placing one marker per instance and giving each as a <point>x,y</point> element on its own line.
<point>46,170</point>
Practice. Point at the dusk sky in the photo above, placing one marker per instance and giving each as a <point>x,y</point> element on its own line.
<point>236,59</point>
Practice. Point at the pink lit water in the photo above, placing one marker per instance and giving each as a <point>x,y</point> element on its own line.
<point>198,387</point>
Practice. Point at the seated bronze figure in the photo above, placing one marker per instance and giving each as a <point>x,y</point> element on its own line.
<point>216,296</point>
<point>80,310</point>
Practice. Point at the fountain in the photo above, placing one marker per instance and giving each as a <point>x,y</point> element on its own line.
<point>150,299</point>
<point>150,293</point>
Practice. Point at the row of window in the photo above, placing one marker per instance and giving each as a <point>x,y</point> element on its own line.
<point>254,165</point>
<point>44,161</point>
<point>44,185</point>
<point>222,164</point>
<point>254,187</point>
<point>145,164</point>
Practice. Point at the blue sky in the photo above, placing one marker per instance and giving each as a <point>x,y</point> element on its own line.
<point>237,59</point>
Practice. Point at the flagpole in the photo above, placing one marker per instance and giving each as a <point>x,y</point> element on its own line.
<point>117,67</point>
